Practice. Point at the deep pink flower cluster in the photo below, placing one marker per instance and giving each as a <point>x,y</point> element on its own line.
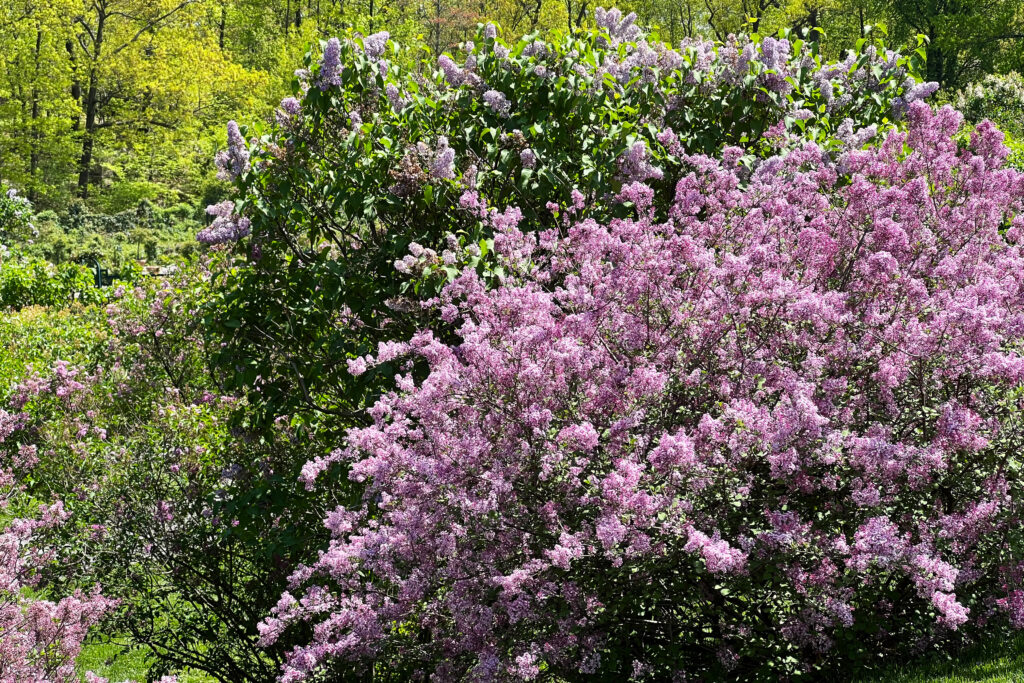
<point>783,408</point>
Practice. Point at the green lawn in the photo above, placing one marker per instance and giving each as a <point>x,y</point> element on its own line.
<point>998,662</point>
<point>994,662</point>
<point>117,664</point>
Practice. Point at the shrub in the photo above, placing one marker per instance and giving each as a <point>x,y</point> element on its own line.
<point>41,638</point>
<point>15,217</point>
<point>190,522</point>
<point>769,432</point>
<point>997,97</point>
<point>35,282</point>
<point>375,158</point>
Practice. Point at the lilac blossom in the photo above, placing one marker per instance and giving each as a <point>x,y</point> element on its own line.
<point>728,386</point>
<point>374,45</point>
<point>330,66</point>
<point>442,167</point>
<point>452,73</point>
<point>226,225</point>
<point>233,161</point>
<point>497,102</point>
<point>634,164</point>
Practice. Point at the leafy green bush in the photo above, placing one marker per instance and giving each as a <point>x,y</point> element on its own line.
<point>15,216</point>
<point>35,282</point>
<point>377,158</point>
<point>997,97</point>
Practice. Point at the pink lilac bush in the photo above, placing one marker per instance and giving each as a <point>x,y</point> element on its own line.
<point>39,638</point>
<point>768,429</point>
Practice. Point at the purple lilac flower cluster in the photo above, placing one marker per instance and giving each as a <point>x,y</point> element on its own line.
<point>226,225</point>
<point>330,65</point>
<point>233,161</point>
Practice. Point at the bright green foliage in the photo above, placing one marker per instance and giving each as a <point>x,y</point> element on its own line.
<point>32,282</point>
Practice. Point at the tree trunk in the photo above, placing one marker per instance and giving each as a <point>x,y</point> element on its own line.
<point>91,107</point>
<point>220,27</point>
<point>33,159</point>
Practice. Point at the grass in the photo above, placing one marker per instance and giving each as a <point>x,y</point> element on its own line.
<point>992,662</point>
<point>118,664</point>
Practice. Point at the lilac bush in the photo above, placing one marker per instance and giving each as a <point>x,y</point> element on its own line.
<point>768,431</point>
<point>40,638</point>
<point>371,155</point>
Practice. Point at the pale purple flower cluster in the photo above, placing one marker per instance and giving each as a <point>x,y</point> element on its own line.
<point>528,158</point>
<point>453,74</point>
<point>394,95</point>
<point>497,102</point>
<point>619,28</point>
<point>329,74</point>
<point>442,167</point>
<point>635,166</point>
<point>374,45</point>
<point>289,109</point>
<point>912,92</point>
<point>226,225</point>
<point>233,161</point>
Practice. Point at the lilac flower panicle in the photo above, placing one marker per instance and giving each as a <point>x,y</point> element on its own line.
<point>497,102</point>
<point>443,165</point>
<point>374,45</point>
<point>288,110</point>
<point>330,66</point>
<point>398,103</point>
<point>452,73</point>
<point>233,161</point>
<point>226,226</point>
